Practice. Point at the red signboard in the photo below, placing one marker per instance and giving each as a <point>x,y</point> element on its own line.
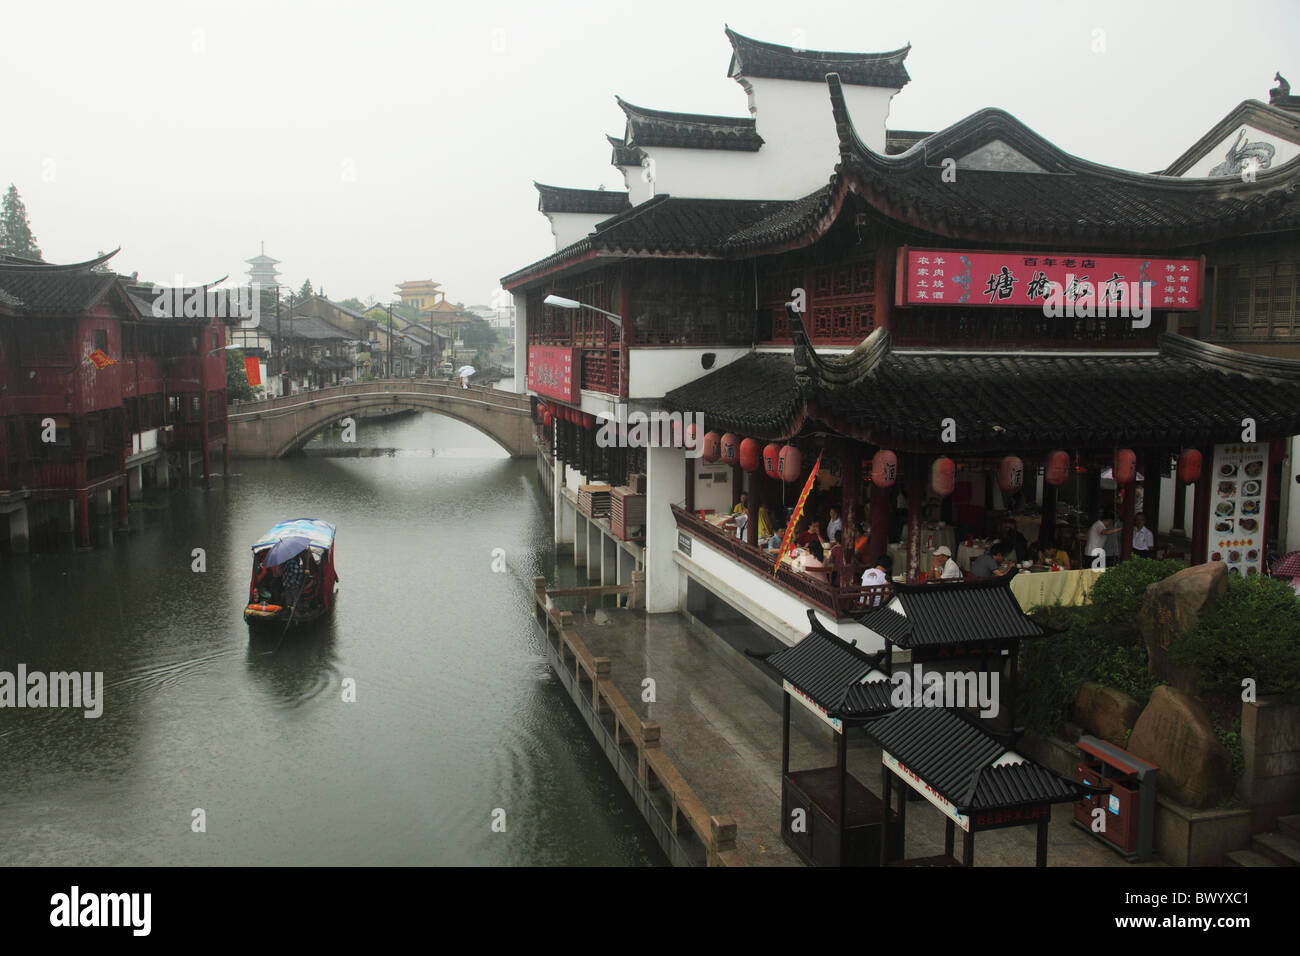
<point>551,372</point>
<point>1082,281</point>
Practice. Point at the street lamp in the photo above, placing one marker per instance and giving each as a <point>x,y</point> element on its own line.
<point>560,302</point>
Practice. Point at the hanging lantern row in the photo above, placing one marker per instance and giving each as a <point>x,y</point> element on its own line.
<point>783,462</point>
<point>1189,465</point>
<point>1056,468</point>
<point>1125,469</point>
<point>943,475</point>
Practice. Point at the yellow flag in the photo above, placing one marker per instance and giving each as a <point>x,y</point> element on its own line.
<point>795,515</point>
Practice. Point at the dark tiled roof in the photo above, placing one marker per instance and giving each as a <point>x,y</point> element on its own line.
<point>561,199</point>
<point>624,155</point>
<point>946,615</point>
<point>1070,198</point>
<point>313,327</point>
<point>756,58</point>
<point>1187,393</point>
<point>39,288</point>
<point>829,671</point>
<point>901,140</point>
<point>755,395</point>
<point>647,127</point>
<point>955,756</point>
<point>666,224</point>
<point>1289,566</point>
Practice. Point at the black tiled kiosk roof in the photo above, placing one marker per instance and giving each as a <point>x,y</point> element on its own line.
<point>955,756</point>
<point>1186,393</point>
<point>563,199</point>
<point>646,127</point>
<point>829,671</point>
<point>758,59</point>
<point>948,615</point>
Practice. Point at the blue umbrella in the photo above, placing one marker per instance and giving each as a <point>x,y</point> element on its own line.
<point>284,550</point>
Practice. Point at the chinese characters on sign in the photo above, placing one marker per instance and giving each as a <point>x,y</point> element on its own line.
<point>970,278</point>
<point>551,372</point>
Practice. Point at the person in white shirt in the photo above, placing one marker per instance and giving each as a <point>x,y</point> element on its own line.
<point>1144,542</point>
<point>1096,538</point>
<point>876,577</point>
<point>949,570</point>
<point>835,524</point>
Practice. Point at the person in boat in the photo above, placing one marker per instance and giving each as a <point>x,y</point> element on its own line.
<point>294,578</point>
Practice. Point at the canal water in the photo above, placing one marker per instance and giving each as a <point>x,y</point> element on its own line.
<point>457,725</point>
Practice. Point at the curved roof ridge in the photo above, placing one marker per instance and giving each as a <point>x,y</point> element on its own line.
<point>62,267</point>
<point>704,119</point>
<point>758,58</point>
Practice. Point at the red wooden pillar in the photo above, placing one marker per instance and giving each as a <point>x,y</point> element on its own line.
<point>880,510</point>
<point>751,524</point>
<point>851,471</point>
<point>1152,489</point>
<point>1129,507</point>
<point>1201,509</point>
<point>203,429</point>
<point>915,496</point>
<point>690,483</point>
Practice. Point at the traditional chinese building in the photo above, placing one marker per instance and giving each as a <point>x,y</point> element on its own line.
<point>974,296</point>
<point>101,383</point>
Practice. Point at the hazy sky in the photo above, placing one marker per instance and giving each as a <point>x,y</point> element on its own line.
<point>369,143</point>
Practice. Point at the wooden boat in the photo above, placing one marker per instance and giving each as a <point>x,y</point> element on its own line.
<point>301,550</point>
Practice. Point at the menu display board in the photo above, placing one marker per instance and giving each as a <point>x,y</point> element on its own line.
<point>1239,480</point>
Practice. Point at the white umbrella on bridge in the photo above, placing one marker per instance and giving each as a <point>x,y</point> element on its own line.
<point>466,371</point>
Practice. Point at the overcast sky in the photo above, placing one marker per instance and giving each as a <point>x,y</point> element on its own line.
<point>370,143</point>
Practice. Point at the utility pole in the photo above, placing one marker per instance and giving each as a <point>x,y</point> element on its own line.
<point>390,342</point>
<point>291,342</point>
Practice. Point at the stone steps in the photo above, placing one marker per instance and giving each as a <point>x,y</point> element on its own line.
<point>1290,826</point>
<point>1246,858</point>
<point>1281,849</point>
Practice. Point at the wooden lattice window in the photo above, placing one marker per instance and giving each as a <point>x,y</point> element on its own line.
<point>1256,301</point>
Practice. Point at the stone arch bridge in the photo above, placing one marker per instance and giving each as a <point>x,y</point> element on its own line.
<point>281,426</point>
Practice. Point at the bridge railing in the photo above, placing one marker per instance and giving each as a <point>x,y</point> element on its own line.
<point>383,386</point>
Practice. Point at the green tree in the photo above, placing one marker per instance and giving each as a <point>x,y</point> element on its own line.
<point>237,387</point>
<point>306,290</point>
<point>356,305</point>
<point>16,237</point>
<point>477,334</point>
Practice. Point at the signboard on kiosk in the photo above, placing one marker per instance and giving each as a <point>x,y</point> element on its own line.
<point>1238,497</point>
<point>975,278</point>
<point>552,372</point>
<point>924,789</point>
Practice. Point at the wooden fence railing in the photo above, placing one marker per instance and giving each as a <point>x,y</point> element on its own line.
<point>654,770</point>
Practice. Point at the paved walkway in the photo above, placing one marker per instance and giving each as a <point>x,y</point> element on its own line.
<point>724,736</point>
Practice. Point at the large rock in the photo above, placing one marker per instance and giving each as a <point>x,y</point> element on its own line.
<point>1106,713</point>
<point>1175,733</point>
<point>1170,608</point>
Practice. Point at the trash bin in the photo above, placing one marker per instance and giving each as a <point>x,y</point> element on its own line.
<point>1130,807</point>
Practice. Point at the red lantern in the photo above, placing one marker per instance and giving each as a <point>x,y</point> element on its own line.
<point>884,469</point>
<point>751,456</point>
<point>546,418</point>
<point>772,460</point>
<point>1125,466</point>
<point>1056,468</point>
<point>1011,474</point>
<point>712,446</point>
<point>1189,465</point>
<point>588,421</point>
<point>789,464</point>
<point>943,475</point>
<point>730,449</point>
<point>690,437</point>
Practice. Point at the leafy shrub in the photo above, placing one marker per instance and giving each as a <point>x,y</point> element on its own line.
<point>1254,631</point>
<point>1100,642</point>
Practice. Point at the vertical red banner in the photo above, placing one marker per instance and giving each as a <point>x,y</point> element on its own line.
<point>253,370</point>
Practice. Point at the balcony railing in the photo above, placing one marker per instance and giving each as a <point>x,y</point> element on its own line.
<point>839,603</point>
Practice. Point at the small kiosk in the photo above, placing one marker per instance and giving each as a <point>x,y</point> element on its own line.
<point>827,816</point>
<point>975,781</point>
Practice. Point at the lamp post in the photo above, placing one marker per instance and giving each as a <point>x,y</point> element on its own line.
<point>559,302</point>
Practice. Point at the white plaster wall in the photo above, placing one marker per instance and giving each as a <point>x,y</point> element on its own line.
<point>665,483</point>
<point>712,494</point>
<point>800,146</point>
<point>653,372</point>
<point>768,605</point>
<point>638,188</point>
<point>521,340</point>
<point>1284,150</point>
<point>569,227</point>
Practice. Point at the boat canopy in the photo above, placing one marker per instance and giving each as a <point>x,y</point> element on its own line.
<point>319,533</point>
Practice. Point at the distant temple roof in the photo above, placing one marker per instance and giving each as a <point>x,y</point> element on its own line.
<point>646,127</point>
<point>758,59</point>
<point>1186,393</point>
<point>562,199</point>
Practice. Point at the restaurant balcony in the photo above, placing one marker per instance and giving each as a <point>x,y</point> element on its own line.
<point>837,603</point>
